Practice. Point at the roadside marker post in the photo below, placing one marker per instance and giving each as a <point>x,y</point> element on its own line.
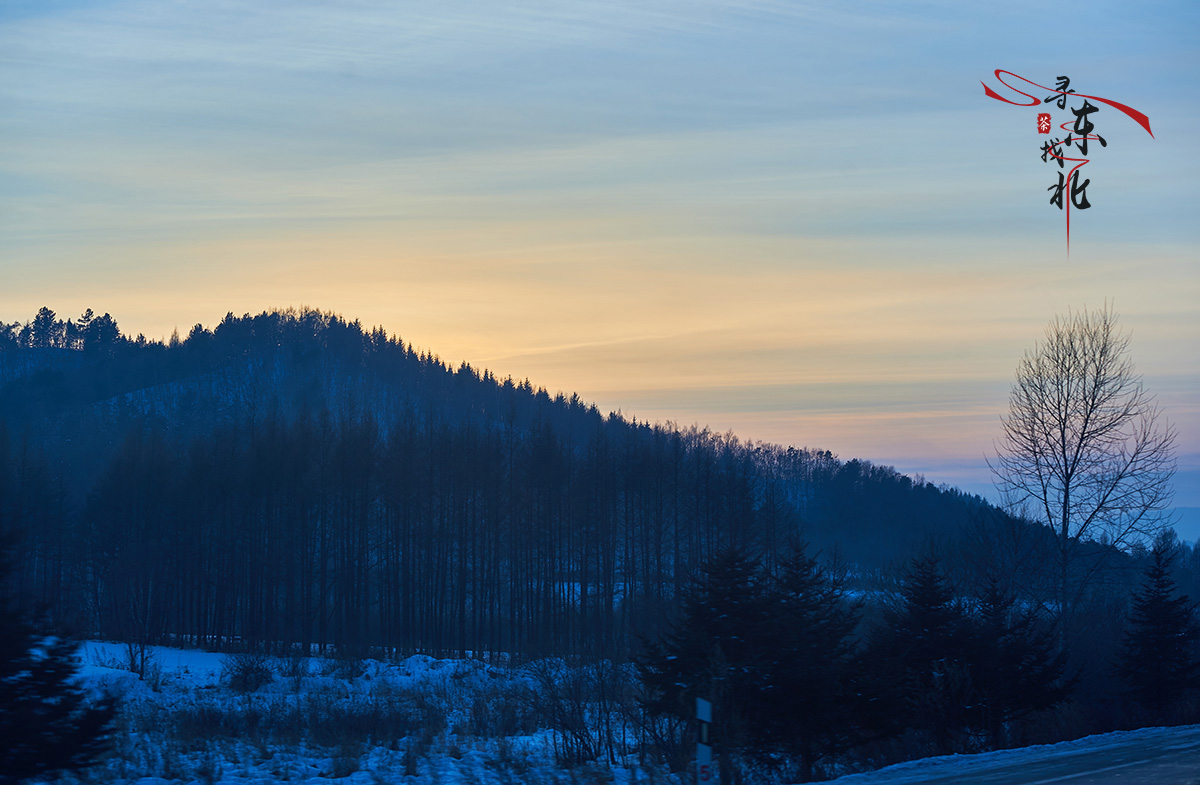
<point>704,769</point>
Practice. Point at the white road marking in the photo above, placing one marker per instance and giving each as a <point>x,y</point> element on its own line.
<point>1093,771</point>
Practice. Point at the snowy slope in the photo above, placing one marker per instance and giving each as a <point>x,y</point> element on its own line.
<point>455,721</point>
<point>1150,756</point>
<point>419,720</point>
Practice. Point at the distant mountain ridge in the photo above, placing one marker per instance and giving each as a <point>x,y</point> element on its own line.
<point>1186,521</point>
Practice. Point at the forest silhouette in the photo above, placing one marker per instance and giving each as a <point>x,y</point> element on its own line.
<point>293,477</point>
<point>293,481</point>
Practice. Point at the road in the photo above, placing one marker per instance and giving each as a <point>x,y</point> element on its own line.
<point>1151,756</point>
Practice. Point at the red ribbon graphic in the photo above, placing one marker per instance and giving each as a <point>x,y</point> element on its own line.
<point>1137,116</point>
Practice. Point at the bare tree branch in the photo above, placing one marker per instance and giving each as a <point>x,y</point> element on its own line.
<point>1085,444</point>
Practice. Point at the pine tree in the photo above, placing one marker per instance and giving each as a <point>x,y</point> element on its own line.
<point>46,723</point>
<point>918,661</point>
<point>1015,669</point>
<point>774,657</point>
<point>1158,660</point>
<point>809,703</point>
<point>47,330</point>
<point>717,651</point>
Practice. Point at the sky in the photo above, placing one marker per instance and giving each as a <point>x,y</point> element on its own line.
<point>802,222</point>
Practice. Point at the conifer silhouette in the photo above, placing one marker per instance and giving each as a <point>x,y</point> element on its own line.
<point>47,723</point>
<point>1158,660</point>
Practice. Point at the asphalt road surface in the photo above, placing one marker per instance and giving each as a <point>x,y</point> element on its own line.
<point>1152,756</point>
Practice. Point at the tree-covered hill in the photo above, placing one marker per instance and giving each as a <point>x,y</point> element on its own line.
<point>295,477</point>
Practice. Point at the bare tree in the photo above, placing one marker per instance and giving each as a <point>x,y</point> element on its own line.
<point>1086,447</point>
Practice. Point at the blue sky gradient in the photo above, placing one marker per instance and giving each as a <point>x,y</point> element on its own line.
<point>797,221</point>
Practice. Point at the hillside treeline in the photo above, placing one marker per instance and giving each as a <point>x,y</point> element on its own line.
<point>295,478</point>
<point>295,482</point>
<point>808,679</point>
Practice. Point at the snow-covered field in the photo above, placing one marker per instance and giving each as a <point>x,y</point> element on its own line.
<point>425,720</point>
<point>321,721</point>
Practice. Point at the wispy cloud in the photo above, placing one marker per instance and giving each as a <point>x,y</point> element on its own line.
<point>800,219</point>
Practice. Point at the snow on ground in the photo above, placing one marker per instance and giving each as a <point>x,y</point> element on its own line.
<point>449,722</point>
<point>1092,752</point>
<point>326,721</point>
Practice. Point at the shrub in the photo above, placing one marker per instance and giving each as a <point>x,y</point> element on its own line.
<point>295,667</point>
<point>247,672</point>
<point>501,712</point>
<point>141,659</point>
<point>344,665</point>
